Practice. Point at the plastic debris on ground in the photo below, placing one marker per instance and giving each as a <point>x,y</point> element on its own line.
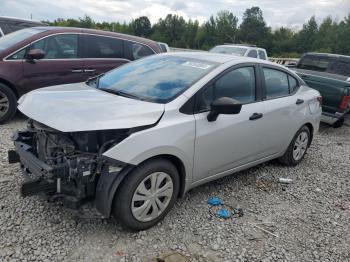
<point>221,210</point>
<point>223,213</point>
<point>215,201</point>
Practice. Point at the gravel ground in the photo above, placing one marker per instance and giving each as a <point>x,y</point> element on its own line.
<point>309,219</point>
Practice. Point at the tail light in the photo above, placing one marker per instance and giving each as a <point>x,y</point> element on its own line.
<point>344,103</point>
<point>319,99</point>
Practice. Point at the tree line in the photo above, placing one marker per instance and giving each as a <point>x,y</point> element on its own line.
<point>329,36</point>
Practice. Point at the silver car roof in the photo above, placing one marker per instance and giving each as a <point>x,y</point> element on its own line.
<point>220,58</point>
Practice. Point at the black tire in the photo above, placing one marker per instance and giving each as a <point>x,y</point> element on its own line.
<point>339,123</point>
<point>122,203</point>
<point>288,158</point>
<point>9,111</point>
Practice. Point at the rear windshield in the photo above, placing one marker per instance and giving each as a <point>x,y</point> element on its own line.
<point>231,50</point>
<point>18,36</point>
<point>156,78</point>
<point>332,65</point>
<point>315,63</point>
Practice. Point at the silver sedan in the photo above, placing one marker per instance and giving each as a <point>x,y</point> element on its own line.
<point>142,135</point>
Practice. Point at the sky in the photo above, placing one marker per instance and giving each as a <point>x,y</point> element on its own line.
<point>277,13</point>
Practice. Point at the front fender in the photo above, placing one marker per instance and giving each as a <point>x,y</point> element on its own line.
<point>107,186</point>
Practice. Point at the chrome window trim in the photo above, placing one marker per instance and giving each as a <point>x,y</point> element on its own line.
<point>1,32</point>
<point>74,33</point>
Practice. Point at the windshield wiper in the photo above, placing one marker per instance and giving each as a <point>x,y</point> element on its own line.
<point>121,93</point>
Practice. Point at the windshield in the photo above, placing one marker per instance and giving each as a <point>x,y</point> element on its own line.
<point>157,78</point>
<point>18,36</point>
<point>231,50</point>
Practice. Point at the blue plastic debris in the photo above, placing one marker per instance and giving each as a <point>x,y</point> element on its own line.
<point>223,213</point>
<point>215,201</point>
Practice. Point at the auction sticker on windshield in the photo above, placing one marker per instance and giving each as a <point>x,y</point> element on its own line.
<point>197,65</point>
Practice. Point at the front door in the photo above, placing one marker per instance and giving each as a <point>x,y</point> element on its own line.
<point>231,140</point>
<point>61,64</point>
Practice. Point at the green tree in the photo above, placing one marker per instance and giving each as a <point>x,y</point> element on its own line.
<point>226,27</point>
<point>171,30</point>
<point>141,26</point>
<point>282,41</point>
<point>253,29</point>
<point>306,38</point>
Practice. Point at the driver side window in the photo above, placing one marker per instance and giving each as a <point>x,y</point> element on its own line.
<point>63,46</point>
<point>238,84</point>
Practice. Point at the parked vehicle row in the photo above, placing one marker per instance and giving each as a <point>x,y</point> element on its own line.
<point>140,136</point>
<point>135,138</point>
<point>241,50</point>
<point>44,56</point>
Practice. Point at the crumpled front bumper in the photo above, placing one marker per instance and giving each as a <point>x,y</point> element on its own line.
<point>40,177</point>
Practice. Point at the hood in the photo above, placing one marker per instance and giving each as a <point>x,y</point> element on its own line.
<point>79,107</point>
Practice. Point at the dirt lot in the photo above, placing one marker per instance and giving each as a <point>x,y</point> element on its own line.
<point>309,219</point>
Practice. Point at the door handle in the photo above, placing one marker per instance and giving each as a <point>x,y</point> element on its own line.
<point>77,71</point>
<point>256,116</point>
<point>299,101</point>
<point>89,70</point>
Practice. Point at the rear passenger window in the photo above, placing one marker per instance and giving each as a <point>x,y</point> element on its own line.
<point>253,53</point>
<point>262,54</point>
<point>238,84</point>
<point>136,51</point>
<point>276,83</point>
<point>102,47</point>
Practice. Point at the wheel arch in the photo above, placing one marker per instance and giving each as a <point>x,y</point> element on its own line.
<point>10,85</point>
<point>108,185</point>
<point>311,129</point>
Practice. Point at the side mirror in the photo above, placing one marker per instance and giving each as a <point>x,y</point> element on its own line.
<point>223,105</point>
<point>35,54</point>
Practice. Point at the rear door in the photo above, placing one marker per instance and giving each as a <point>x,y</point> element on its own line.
<point>284,108</point>
<point>61,64</point>
<point>101,54</point>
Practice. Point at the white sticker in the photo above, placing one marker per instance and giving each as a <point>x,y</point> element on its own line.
<point>197,65</point>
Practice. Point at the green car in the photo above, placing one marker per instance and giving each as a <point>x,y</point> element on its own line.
<point>330,75</point>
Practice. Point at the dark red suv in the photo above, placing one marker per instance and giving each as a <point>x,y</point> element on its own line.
<point>44,56</point>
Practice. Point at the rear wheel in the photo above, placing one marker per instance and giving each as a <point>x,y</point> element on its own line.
<point>147,194</point>
<point>297,148</point>
<point>8,103</point>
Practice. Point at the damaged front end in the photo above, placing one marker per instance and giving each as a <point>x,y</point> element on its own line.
<point>65,165</point>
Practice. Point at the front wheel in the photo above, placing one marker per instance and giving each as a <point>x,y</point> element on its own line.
<point>8,103</point>
<point>297,148</point>
<point>147,194</point>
